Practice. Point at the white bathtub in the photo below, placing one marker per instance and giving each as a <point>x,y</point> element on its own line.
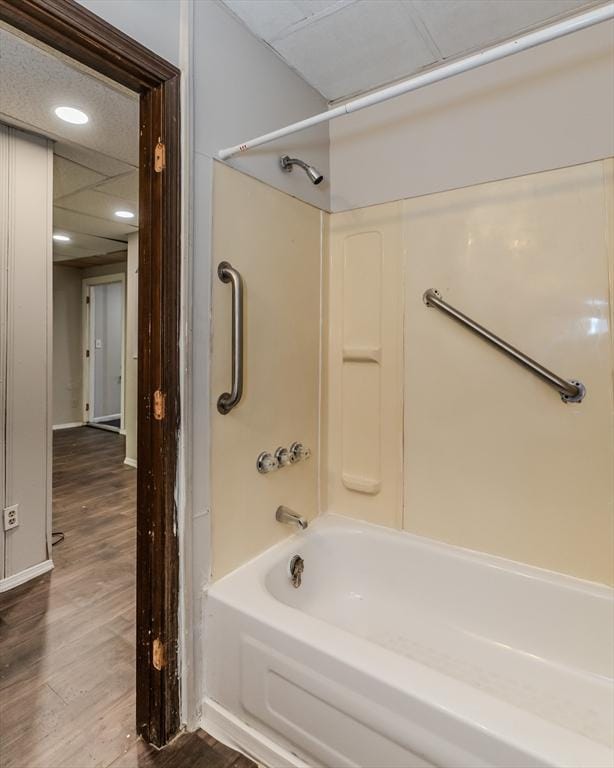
<point>399,651</point>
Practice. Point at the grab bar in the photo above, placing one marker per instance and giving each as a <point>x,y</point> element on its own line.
<point>570,391</point>
<point>229,400</point>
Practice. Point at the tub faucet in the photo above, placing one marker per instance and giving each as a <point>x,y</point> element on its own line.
<point>286,515</point>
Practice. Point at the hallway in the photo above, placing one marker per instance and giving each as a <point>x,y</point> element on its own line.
<point>67,639</point>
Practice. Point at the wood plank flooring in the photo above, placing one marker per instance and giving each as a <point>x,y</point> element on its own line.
<point>67,639</point>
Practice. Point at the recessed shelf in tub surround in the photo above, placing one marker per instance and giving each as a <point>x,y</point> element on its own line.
<point>283,457</point>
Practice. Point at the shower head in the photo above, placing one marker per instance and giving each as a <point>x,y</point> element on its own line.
<point>286,162</point>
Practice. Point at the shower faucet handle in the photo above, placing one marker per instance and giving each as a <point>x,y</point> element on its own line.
<point>266,463</point>
<point>284,457</point>
<point>299,451</point>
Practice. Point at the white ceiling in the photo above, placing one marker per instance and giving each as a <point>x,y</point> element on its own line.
<point>95,165</point>
<point>345,47</point>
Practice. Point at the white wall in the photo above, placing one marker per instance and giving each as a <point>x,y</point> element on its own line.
<point>543,109</point>
<point>67,346</point>
<point>155,24</point>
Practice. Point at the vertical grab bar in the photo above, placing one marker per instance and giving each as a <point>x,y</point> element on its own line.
<point>229,400</point>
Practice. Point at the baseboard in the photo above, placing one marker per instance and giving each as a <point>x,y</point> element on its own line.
<point>230,730</point>
<point>130,462</point>
<point>106,418</point>
<point>29,573</point>
<point>70,425</point>
<point>95,425</point>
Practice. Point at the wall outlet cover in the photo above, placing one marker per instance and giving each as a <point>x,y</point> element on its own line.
<point>11,517</point>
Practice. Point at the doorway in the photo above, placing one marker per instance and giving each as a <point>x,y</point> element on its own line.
<point>68,28</point>
<point>105,323</point>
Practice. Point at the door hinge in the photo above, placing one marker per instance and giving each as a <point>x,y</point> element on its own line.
<point>158,655</point>
<point>159,405</point>
<point>159,157</point>
<point>87,353</point>
<point>87,299</point>
<point>87,406</point>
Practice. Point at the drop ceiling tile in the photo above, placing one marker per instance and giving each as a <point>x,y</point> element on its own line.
<point>125,186</point>
<point>95,203</point>
<point>85,245</point>
<point>266,18</point>
<point>68,177</point>
<point>96,260</point>
<point>95,161</point>
<point>50,81</point>
<point>312,7</point>
<point>357,48</point>
<point>457,26</point>
<point>71,221</point>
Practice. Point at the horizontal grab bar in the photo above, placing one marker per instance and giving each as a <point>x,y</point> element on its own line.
<point>570,391</point>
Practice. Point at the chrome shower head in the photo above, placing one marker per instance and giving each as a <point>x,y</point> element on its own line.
<point>286,162</point>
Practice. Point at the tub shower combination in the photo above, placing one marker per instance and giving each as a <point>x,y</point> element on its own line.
<point>353,645</point>
<point>350,644</point>
<point>399,651</point>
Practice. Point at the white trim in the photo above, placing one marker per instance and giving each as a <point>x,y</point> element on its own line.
<point>106,427</point>
<point>435,75</point>
<point>190,619</point>
<point>230,730</point>
<point>29,573</point>
<point>69,425</point>
<point>130,462</point>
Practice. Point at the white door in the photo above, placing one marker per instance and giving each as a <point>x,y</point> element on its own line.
<point>106,328</point>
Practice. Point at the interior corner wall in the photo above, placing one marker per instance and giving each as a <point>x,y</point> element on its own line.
<point>546,108</point>
<point>26,195</point>
<point>67,345</point>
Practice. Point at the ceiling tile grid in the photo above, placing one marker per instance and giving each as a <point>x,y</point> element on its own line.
<point>345,47</point>
<point>95,165</point>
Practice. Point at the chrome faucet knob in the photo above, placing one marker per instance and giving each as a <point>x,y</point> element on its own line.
<point>299,451</point>
<point>266,463</point>
<point>284,457</point>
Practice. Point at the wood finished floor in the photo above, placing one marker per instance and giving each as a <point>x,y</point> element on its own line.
<point>67,639</point>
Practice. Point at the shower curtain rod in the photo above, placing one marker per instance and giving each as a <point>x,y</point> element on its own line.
<point>501,51</point>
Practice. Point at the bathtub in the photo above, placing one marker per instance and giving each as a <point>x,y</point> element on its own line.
<point>401,652</point>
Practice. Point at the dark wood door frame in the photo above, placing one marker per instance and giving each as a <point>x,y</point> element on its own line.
<point>68,27</point>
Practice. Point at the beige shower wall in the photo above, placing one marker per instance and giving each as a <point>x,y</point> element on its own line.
<point>274,242</point>
<point>362,396</point>
<point>493,460</point>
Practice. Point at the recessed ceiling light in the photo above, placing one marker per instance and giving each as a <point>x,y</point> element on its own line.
<point>71,115</point>
<point>124,214</point>
<point>62,238</point>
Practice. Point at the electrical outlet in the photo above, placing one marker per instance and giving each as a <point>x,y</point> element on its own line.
<point>11,517</point>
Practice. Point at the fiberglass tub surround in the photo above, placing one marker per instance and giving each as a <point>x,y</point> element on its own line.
<point>399,651</point>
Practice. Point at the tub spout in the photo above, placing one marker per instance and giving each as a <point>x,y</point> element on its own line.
<point>286,515</point>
